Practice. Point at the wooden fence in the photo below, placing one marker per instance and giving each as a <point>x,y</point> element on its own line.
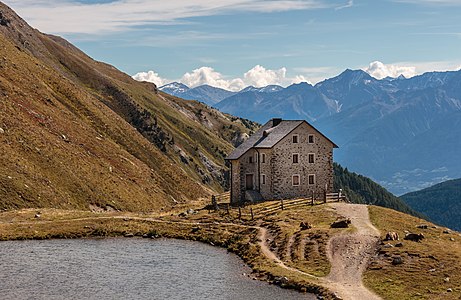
<point>248,211</point>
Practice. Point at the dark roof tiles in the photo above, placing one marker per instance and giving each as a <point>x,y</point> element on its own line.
<point>267,136</point>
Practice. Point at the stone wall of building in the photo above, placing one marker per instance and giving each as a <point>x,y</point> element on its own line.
<point>284,168</point>
<point>278,168</point>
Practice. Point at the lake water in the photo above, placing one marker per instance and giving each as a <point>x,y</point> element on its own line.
<point>122,268</point>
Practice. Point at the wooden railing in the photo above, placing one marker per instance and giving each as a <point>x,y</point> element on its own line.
<point>248,211</point>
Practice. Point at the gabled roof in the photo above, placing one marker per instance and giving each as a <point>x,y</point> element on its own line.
<point>268,135</point>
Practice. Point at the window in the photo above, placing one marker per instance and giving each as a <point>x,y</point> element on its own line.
<point>310,139</point>
<point>295,158</point>
<point>263,178</point>
<point>311,179</point>
<point>311,158</point>
<point>295,139</point>
<point>295,180</point>
<point>250,159</point>
<point>263,157</point>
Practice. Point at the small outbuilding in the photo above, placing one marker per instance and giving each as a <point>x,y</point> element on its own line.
<point>284,159</point>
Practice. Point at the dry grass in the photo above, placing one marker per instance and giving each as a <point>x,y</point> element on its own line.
<point>76,132</point>
<point>429,268</point>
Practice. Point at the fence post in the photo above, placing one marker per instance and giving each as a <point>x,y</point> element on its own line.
<point>325,196</point>
<point>251,211</point>
<point>312,198</point>
<point>281,202</point>
<point>214,203</point>
<point>240,213</point>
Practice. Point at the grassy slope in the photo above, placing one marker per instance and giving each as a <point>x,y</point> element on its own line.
<point>76,132</point>
<point>441,203</point>
<point>426,264</point>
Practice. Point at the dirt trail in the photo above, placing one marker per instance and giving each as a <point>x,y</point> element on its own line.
<point>349,254</point>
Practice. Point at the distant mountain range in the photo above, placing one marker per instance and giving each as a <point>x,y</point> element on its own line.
<point>403,133</point>
<point>441,203</point>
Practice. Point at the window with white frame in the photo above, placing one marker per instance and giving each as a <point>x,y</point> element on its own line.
<point>263,157</point>
<point>295,158</point>
<point>295,180</point>
<point>310,139</point>
<point>311,179</point>
<point>311,158</point>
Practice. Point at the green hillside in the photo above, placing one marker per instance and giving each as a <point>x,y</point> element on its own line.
<point>441,203</point>
<point>363,190</point>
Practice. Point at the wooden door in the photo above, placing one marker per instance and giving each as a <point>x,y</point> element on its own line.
<point>249,181</point>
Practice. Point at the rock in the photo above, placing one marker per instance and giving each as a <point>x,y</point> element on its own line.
<point>415,237</point>
<point>432,270</point>
<point>447,231</point>
<point>391,236</point>
<point>37,216</point>
<point>305,225</point>
<point>447,279</point>
<point>190,211</point>
<point>388,246</point>
<point>399,245</point>
<point>344,223</point>
<point>449,290</point>
<point>195,229</point>
<point>397,260</point>
<point>452,239</point>
<point>2,131</point>
<point>422,226</point>
<point>129,235</point>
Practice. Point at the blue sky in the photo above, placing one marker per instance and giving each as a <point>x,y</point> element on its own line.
<point>235,43</point>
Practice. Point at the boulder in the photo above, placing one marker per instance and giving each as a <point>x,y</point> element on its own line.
<point>305,225</point>
<point>397,260</point>
<point>415,237</point>
<point>392,236</point>
<point>343,223</point>
<point>422,226</point>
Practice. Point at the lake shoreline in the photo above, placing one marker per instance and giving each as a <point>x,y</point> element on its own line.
<point>237,239</point>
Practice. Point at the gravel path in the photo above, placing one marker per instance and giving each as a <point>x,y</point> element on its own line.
<point>349,254</point>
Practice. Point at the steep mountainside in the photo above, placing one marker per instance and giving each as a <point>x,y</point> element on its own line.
<point>441,203</point>
<point>75,132</point>
<point>362,190</point>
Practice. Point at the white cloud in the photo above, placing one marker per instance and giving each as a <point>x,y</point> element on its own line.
<point>207,75</point>
<point>151,76</point>
<point>349,3</point>
<point>71,16</point>
<point>258,76</point>
<point>409,69</point>
<point>379,70</point>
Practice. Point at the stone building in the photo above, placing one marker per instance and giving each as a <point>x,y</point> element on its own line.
<point>284,159</point>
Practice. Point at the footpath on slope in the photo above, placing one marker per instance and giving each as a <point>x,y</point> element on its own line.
<point>348,254</point>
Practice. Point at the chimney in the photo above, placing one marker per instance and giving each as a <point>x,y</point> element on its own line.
<point>276,121</point>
